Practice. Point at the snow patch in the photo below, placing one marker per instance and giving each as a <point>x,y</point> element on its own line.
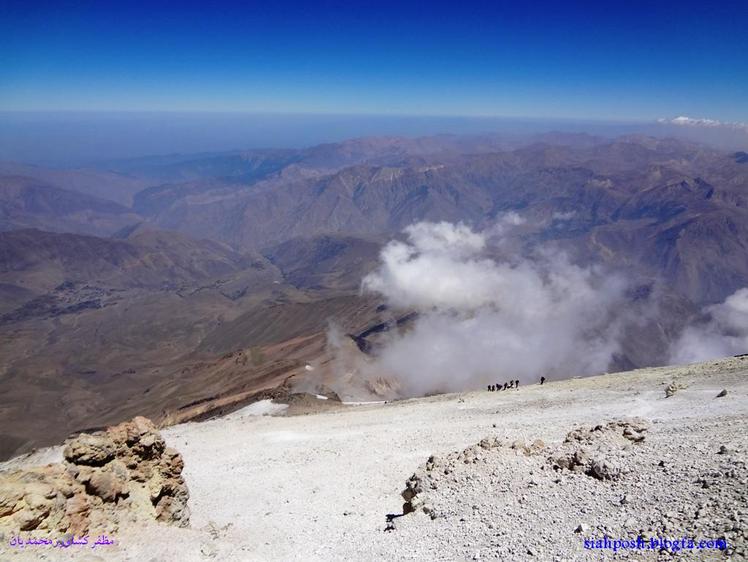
<point>259,408</point>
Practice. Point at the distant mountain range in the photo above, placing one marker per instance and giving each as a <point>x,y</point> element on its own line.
<point>658,204</point>
<point>179,285</point>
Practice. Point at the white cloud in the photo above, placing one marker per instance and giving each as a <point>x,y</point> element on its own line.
<point>724,333</point>
<point>438,267</point>
<point>484,321</point>
<point>700,122</point>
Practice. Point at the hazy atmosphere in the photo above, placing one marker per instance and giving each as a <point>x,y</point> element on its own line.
<point>373,281</point>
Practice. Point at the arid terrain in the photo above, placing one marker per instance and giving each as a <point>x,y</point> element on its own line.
<point>370,281</point>
<point>184,285</point>
<point>319,486</point>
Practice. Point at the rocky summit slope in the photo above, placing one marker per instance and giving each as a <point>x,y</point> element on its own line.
<point>623,486</point>
<point>522,475</point>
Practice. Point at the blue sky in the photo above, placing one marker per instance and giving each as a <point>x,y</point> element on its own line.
<point>598,60</point>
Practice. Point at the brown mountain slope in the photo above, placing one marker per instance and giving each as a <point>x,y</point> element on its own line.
<point>151,259</point>
<point>637,188</point>
<point>99,328</point>
<point>31,203</point>
<point>325,261</point>
<point>96,183</point>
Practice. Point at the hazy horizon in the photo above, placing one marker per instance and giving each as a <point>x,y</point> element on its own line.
<point>78,138</point>
<point>75,138</point>
<point>90,81</point>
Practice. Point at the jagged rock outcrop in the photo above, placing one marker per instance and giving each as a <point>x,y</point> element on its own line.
<point>123,474</point>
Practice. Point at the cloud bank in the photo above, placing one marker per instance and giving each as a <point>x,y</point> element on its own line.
<point>484,321</point>
<point>724,333</point>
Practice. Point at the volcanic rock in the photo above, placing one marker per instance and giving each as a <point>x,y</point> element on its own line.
<point>125,473</point>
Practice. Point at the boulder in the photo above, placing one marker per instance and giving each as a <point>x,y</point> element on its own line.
<point>92,450</point>
<point>604,470</point>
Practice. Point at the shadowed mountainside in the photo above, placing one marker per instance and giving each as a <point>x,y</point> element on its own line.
<point>115,187</point>
<point>30,203</point>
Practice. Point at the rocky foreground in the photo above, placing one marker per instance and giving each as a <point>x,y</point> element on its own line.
<point>518,497</point>
<point>125,474</point>
<point>522,475</point>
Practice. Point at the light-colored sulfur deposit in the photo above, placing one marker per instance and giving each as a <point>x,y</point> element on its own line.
<point>123,474</point>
